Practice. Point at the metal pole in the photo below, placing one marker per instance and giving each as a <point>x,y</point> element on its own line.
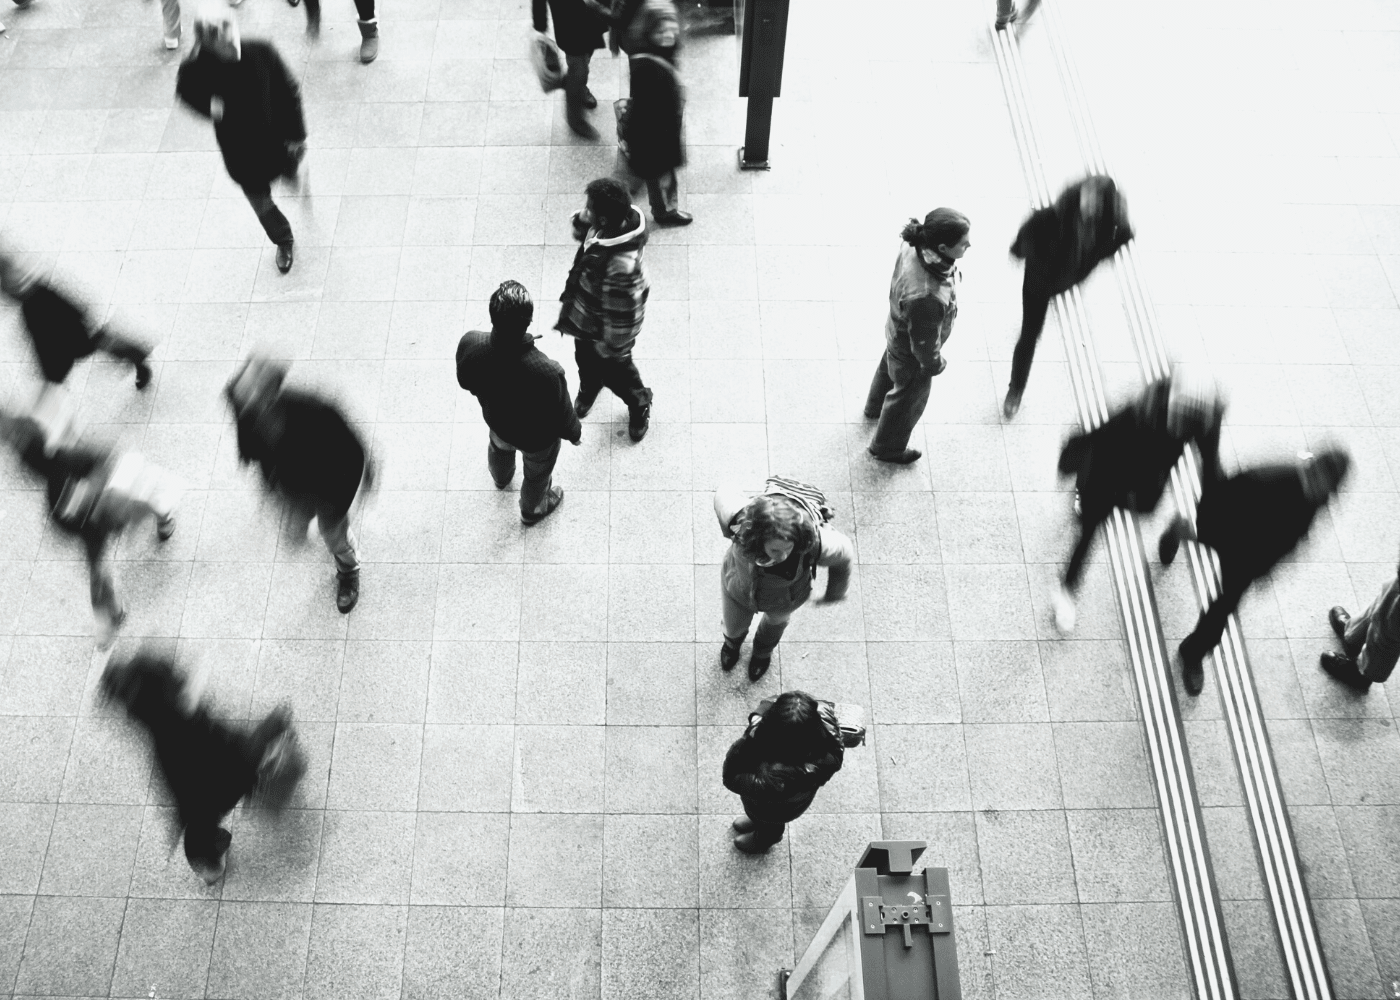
<point>753,155</point>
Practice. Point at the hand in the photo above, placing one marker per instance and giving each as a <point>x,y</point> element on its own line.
<point>216,108</point>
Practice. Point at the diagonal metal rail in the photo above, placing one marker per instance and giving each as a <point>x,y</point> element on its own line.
<point>1288,896</point>
<point>1203,929</point>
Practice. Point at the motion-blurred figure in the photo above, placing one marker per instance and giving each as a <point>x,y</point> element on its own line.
<point>255,104</point>
<point>1007,13</point>
<point>524,399</point>
<point>604,301</point>
<point>578,30</point>
<point>923,306</point>
<point>1127,461</point>
<point>94,493</point>
<point>651,143</point>
<point>209,766</point>
<point>776,767</point>
<point>1061,245</point>
<point>1252,520</point>
<point>60,329</point>
<point>1370,641</point>
<point>309,455</point>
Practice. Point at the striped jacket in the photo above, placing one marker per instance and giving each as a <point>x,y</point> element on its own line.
<point>605,296</point>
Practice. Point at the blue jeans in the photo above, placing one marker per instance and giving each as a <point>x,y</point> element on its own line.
<point>539,470</point>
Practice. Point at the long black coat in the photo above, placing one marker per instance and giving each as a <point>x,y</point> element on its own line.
<point>262,109</point>
<point>654,117</point>
<point>578,30</point>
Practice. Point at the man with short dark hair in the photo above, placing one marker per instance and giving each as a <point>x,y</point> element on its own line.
<point>524,398</point>
<point>604,301</point>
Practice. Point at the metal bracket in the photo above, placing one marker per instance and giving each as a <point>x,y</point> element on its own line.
<point>877,916</point>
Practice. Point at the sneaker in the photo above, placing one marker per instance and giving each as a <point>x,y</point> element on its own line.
<point>638,422</point>
<point>347,593</point>
<point>284,256</point>
<point>1012,404</point>
<point>552,501</point>
<point>1339,620</point>
<point>583,403</point>
<point>906,457</point>
<point>165,527</point>
<point>1065,614</point>
<point>1344,669</point>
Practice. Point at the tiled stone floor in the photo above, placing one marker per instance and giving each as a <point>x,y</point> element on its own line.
<point>517,735</point>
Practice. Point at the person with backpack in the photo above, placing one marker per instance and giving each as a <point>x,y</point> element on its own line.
<point>650,144</point>
<point>779,538</point>
<point>776,767</point>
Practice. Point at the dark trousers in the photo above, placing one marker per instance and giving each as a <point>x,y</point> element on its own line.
<point>1035,302</point>
<point>206,841</point>
<point>274,223</point>
<point>575,83</point>
<point>1089,524</point>
<point>899,394</point>
<point>364,8</point>
<point>1234,581</point>
<point>618,372</point>
<point>539,470</point>
<point>1366,640</point>
<point>766,834</point>
<point>120,347</point>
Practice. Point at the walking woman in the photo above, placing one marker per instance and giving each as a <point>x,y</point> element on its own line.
<point>777,766</point>
<point>923,306</point>
<point>650,142</point>
<point>779,539</point>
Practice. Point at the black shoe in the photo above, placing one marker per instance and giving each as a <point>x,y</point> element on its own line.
<point>583,405</point>
<point>1193,674</point>
<point>638,421</point>
<point>758,665</point>
<point>583,130</point>
<point>906,457</point>
<point>165,528</point>
<point>347,594</point>
<point>1344,669</point>
<point>743,824</point>
<point>745,843</point>
<point>1168,544</point>
<point>143,375</point>
<point>676,218</point>
<point>1339,620</point>
<point>589,101</point>
<point>729,655</point>
<point>552,501</point>
<point>284,256</point>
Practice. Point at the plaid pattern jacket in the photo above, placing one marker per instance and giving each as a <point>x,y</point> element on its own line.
<point>605,296</point>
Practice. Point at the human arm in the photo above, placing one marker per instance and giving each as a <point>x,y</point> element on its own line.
<point>571,429</point>
<point>926,316</point>
<point>745,773</point>
<point>286,102</point>
<point>728,503</point>
<point>540,13</point>
<point>836,555</point>
<point>193,86</point>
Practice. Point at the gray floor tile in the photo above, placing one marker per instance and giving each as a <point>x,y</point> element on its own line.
<point>556,860</point>
<point>376,766</point>
<point>472,682</point>
<point>1118,856</point>
<point>562,682</point>
<point>466,768</point>
<point>913,682</point>
<point>1013,766</point>
<point>357,948</point>
<point>824,850</point>
<point>72,945</point>
<point>452,952</point>
<point>651,683</point>
<point>384,681</point>
<point>91,850</point>
<point>546,953</point>
<point>742,950</point>
<point>1129,955</point>
<point>1103,765</point>
<point>1025,857</point>
<point>637,963</point>
<point>446,874</point>
<point>165,947</point>
<point>558,768</point>
<point>651,860</point>
<point>33,754</point>
<point>952,844</point>
<point>667,784</point>
<point>1039,951</point>
<point>260,949</point>
<point>276,858</point>
<point>367,857</point>
<point>923,768</point>
<point>1000,682</point>
<point>27,829</point>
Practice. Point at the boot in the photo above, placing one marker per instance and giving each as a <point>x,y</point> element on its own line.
<point>369,40</point>
<point>1344,669</point>
<point>1339,620</point>
<point>638,421</point>
<point>347,592</point>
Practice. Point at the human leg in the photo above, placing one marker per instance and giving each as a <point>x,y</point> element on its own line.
<point>313,17</point>
<point>620,374</point>
<point>880,386</point>
<point>575,91</point>
<point>1035,302</point>
<point>101,585</point>
<point>904,405</point>
<point>274,223</point>
<point>126,349</point>
<point>664,192</point>
<point>500,459</point>
<point>340,540</point>
<point>170,13</point>
<point>369,30</point>
<point>757,835</point>
<point>590,375</point>
<point>539,472</point>
<point>770,631</point>
<point>206,847</point>
<point>1211,625</point>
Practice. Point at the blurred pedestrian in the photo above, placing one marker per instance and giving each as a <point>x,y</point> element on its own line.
<point>650,137</point>
<point>309,455</point>
<point>1007,13</point>
<point>368,22</point>
<point>776,767</point>
<point>245,88</point>
<point>923,306</point>
<point>524,398</point>
<point>1127,462</point>
<point>170,14</point>
<point>779,538</point>
<point>1370,641</point>
<point>604,301</point>
<point>578,30</point>
<point>1061,245</point>
<point>94,493</point>
<point>1252,520</point>
<point>208,766</point>
<point>61,330</point>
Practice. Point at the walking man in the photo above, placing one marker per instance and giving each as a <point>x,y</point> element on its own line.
<point>1370,641</point>
<point>578,30</point>
<point>604,302</point>
<point>923,306</point>
<point>524,399</point>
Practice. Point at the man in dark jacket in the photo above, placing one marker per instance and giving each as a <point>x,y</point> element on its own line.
<point>1061,245</point>
<point>578,30</point>
<point>524,399</point>
<point>60,329</point>
<point>1370,641</point>
<point>650,144</point>
<point>1252,520</point>
<point>604,302</point>
<point>308,454</point>
<point>248,92</point>
<point>1127,461</point>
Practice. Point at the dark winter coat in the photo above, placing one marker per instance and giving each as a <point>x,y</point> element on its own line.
<point>654,122</point>
<point>578,29</point>
<point>307,451</point>
<point>774,792</point>
<point>1255,518</point>
<point>262,109</point>
<point>59,329</point>
<point>524,393</point>
<point>1061,248</point>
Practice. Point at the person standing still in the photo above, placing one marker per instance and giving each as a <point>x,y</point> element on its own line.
<point>245,88</point>
<point>578,30</point>
<point>524,399</point>
<point>923,306</point>
<point>650,141</point>
<point>604,301</point>
<point>1370,641</point>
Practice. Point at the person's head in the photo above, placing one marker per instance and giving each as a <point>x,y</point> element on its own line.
<point>511,309</point>
<point>943,234</point>
<point>771,528</point>
<point>255,386</point>
<point>608,202</point>
<point>660,24</point>
<point>1096,192</point>
<point>216,29</point>
<point>793,730</point>
<point>17,277</point>
<point>142,678</point>
<point>1323,474</point>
